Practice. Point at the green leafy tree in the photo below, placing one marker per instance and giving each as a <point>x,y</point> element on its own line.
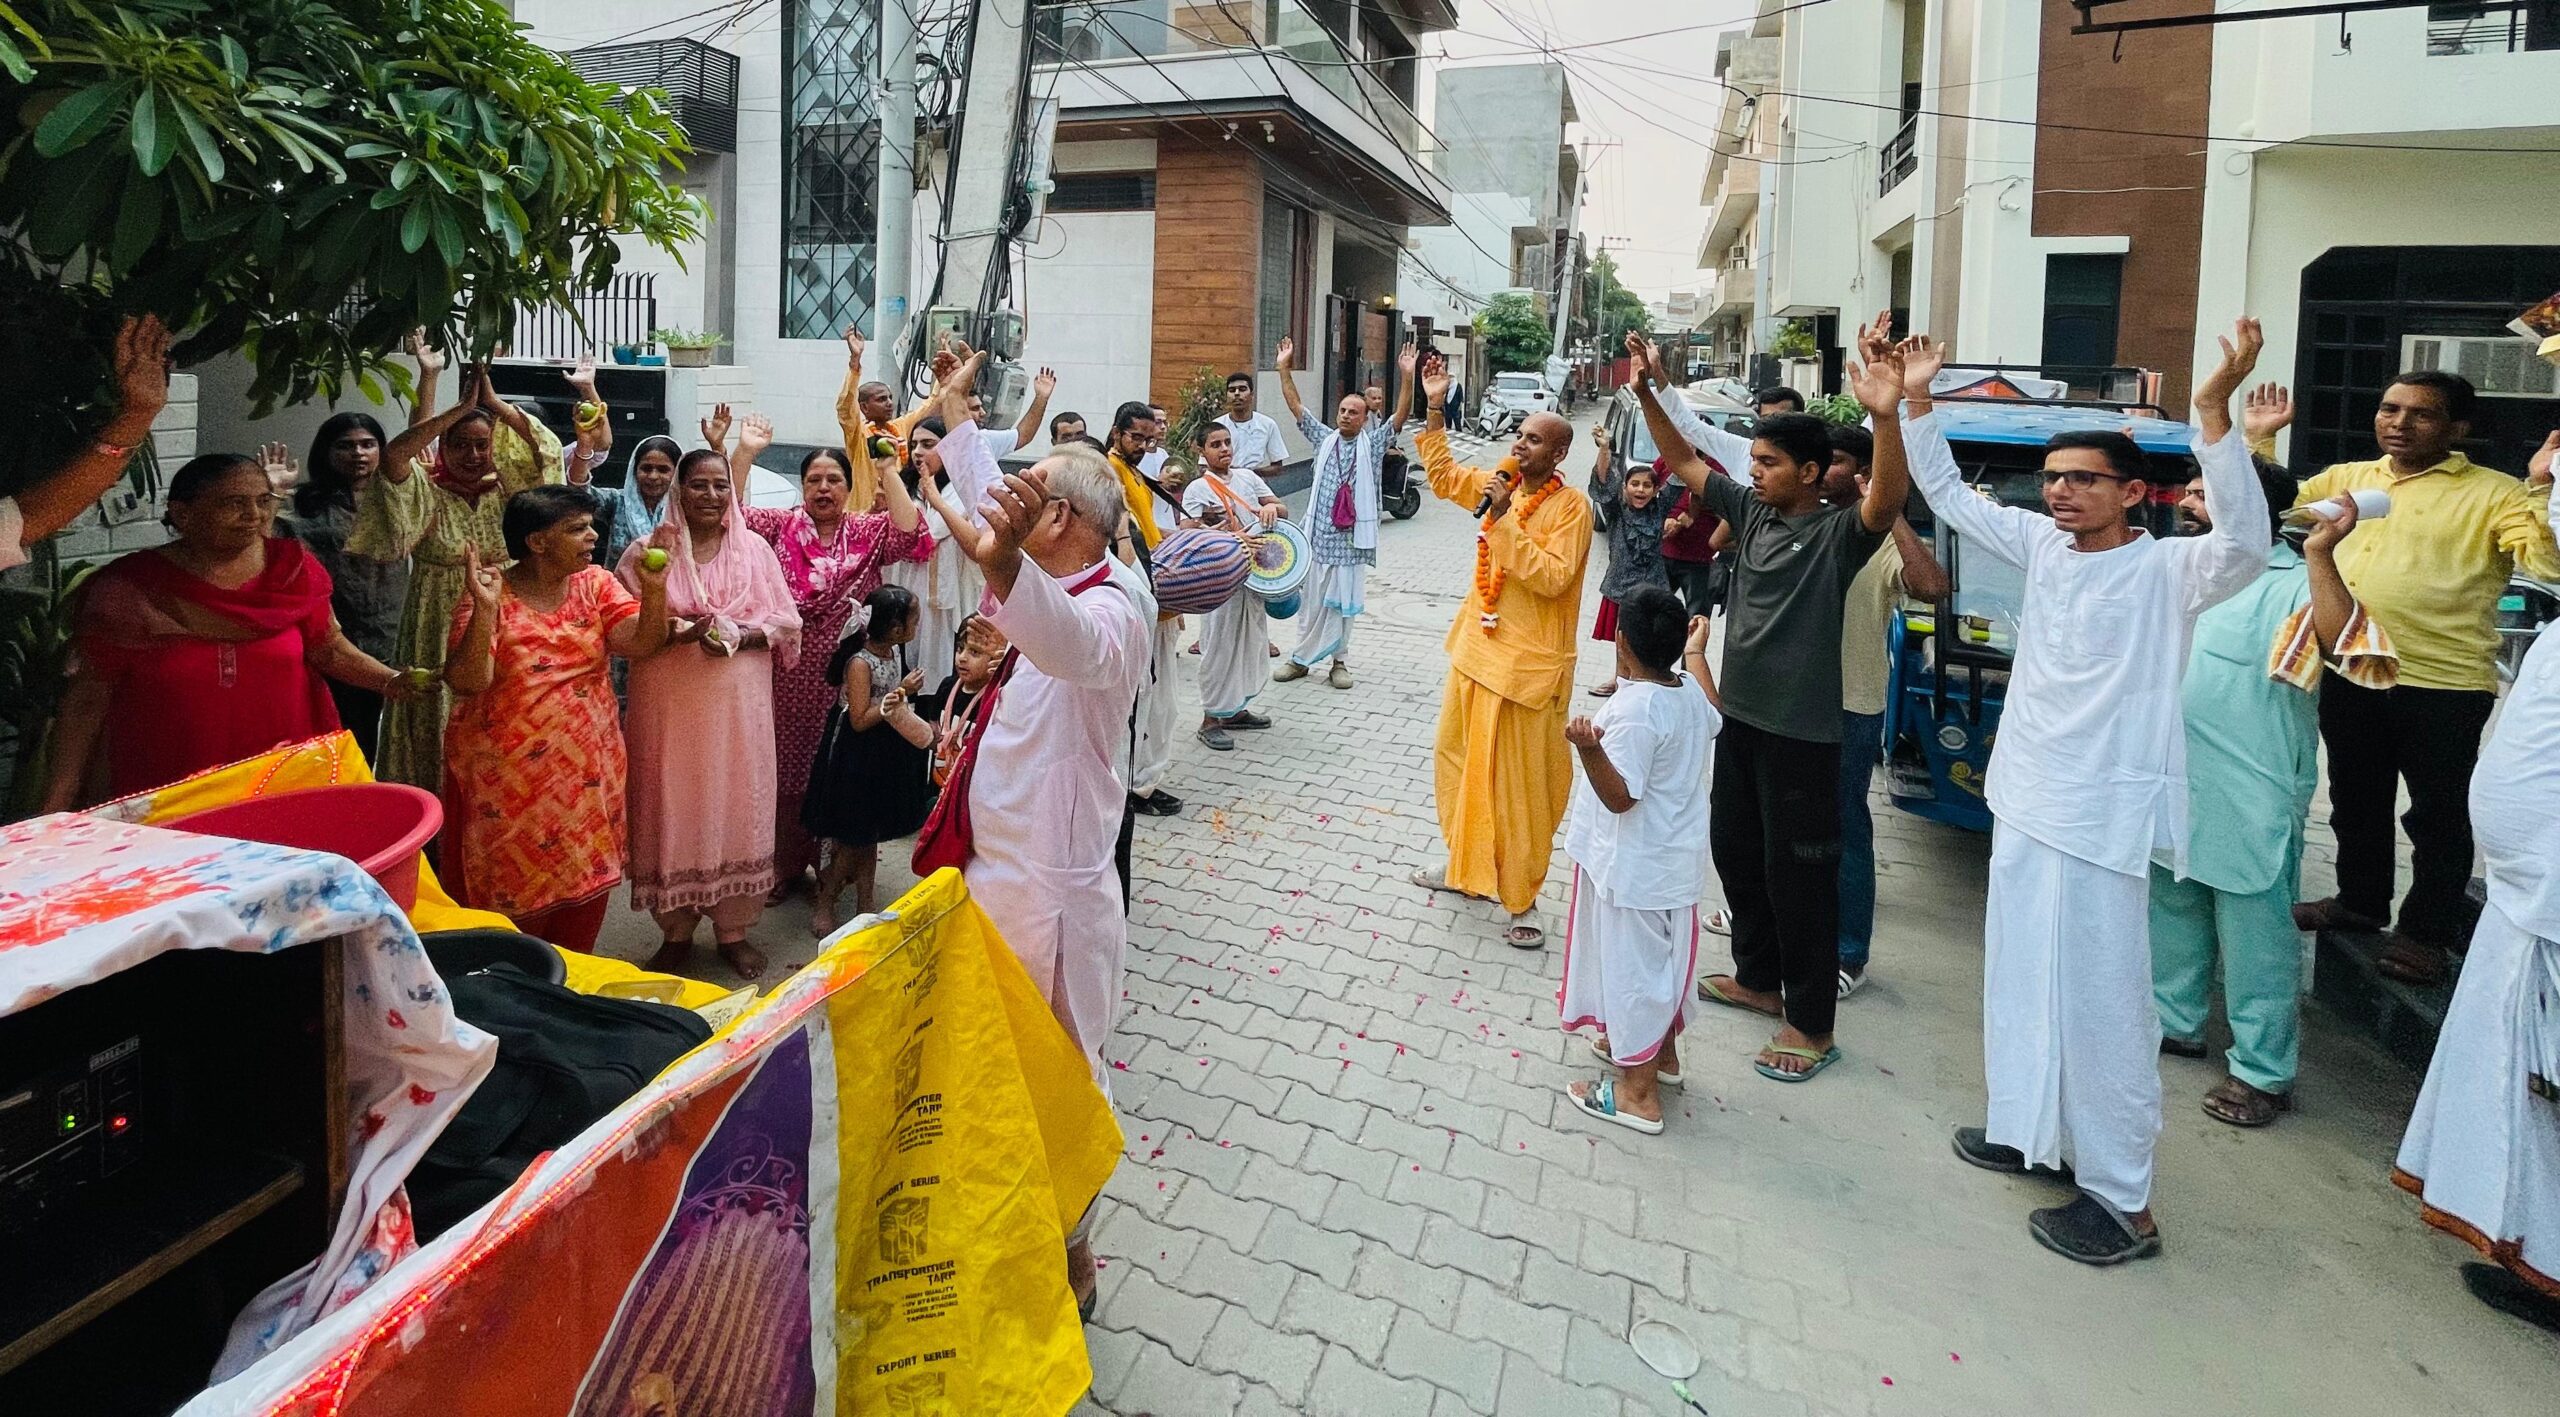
<point>1610,309</point>
<point>1514,337</point>
<point>1794,340</point>
<point>303,181</point>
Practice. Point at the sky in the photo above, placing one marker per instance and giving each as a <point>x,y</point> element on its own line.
<point>1644,192</point>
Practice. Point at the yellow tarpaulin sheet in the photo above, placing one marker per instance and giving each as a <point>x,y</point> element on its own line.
<point>853,1200</point>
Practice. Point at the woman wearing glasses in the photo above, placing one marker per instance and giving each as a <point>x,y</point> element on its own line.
<point>214,647</point>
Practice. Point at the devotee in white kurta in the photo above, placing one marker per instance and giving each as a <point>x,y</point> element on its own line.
<point>2087,779</point>
<point>2483,1148</point>
<point>1341,520</point>
<point>1232,497</point>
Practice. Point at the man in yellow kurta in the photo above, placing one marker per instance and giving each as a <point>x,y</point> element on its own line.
<point>1504,771</point>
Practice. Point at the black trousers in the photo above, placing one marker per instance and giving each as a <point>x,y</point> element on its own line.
<point>1120,852</point>
<point>1699,584</point>
<point>1774,829</point>
<point>360,713</point>
<point>2429,738</point>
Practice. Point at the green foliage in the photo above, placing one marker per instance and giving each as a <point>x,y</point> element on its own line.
<point>1202,399</point>
<point>1836,408</point>
<point>35,660</point>
<point>1609,308</point>
<point>1514,337</point>
<point>1794,340</point>
<point>301,180</point>
<point>688,339</point>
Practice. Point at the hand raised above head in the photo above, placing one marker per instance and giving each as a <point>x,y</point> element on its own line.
<point>1922,358</point>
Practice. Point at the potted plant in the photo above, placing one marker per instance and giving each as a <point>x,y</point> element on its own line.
<point>688,349</point>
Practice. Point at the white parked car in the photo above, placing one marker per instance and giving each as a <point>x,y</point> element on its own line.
<point>1514,397</point>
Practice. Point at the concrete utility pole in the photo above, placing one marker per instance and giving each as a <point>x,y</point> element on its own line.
<point>982,169</point>
<point>1565,281</point>
<point>895,261</point>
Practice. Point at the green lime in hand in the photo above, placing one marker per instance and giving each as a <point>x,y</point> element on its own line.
<point>883,448</point>
<point>655,558</point>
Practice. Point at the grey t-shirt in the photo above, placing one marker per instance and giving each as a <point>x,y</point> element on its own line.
<point>1782,629</point>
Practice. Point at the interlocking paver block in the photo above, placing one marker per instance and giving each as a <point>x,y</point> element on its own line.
<point>1467,1367</point>
<point>1446,1242</point>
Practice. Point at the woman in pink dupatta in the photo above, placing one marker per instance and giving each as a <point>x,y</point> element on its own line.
<point>700,727</point>
<point>832,559</point>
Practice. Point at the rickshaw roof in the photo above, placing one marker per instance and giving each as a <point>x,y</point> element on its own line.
<point>2007,421</point>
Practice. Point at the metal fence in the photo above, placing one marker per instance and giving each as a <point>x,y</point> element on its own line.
<point>624,312</point>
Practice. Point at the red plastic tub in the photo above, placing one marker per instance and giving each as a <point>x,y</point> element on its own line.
<point>381,826</point>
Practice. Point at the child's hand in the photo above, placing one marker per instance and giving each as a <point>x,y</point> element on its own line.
<point>1582,733</point>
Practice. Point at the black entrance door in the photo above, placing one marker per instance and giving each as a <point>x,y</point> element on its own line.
<point>2359,307</point>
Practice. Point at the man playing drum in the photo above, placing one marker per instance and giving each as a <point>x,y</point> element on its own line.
<point>1236,499</point>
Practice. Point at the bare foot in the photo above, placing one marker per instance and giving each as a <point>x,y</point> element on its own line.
<point>1083,1276</point>
<point>745,958</point>
<point>670,958</point>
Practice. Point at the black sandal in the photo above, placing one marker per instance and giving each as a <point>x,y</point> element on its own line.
<point>2242,1105</point>
<point>2508,1293</point>
<point>2090,1231</point>
<point>1975,1146</point>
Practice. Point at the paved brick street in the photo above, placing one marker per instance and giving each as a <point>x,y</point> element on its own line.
<point>1351,1186</point>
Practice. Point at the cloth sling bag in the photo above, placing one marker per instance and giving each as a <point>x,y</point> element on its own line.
<point>948,836</point>
<point>1346,508</point>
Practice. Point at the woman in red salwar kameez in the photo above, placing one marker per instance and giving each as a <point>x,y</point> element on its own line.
<point>212,648</point>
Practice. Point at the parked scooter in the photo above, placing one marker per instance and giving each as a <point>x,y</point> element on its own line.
<point>1495,421</point>
<point>1399,495</point>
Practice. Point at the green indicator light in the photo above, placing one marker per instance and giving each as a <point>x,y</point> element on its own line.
<point>71,1121</point>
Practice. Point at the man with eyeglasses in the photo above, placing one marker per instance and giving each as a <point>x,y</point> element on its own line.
<point>2087,780</point>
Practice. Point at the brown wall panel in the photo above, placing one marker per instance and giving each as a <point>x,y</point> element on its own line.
<point>1208,251</point>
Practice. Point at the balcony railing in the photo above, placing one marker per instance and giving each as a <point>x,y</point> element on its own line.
<point>1084,32</point>
<point>701,83</point>
<point>2493,28</point>
<point>1901,157</point>
<point>624,312</point>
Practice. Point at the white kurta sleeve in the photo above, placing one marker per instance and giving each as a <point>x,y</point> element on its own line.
<point>2220,564</point>
<point>1314,429</point>
<point>1000,442</point>
<point>2009,533</point>
<point>1732,451</point>
<point>971,469</point>
<point>1092,640</point>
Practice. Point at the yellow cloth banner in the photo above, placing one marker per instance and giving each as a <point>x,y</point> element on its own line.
<point>854,1199</point>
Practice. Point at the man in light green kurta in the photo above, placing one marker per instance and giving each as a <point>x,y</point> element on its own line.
<point>2253,736</point>
<point>444,487</point>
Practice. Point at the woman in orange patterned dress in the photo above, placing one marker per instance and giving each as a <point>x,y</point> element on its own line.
<point>533,757</point>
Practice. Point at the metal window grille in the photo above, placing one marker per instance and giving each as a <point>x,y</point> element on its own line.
<point>624,312</point>
<point>831,166</point>
<point>701,83</point>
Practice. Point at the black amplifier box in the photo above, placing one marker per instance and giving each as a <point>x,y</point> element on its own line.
<point>73,1119</point>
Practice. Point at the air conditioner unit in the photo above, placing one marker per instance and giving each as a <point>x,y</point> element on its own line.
<point>1740,255</point>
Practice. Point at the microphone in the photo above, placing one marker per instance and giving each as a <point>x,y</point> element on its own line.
<point>1506,472</point>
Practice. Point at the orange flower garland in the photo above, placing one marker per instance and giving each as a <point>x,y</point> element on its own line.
<point>1489,577</point>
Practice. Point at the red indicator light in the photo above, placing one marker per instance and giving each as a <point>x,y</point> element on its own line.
<point>119,1122</point>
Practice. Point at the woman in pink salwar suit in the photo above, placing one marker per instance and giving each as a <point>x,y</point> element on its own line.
<point>700,727</point>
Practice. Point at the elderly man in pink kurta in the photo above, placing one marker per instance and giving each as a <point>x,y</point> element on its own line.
<point>1051,776</point>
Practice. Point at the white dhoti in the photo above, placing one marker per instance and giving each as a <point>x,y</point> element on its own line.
<point>1331,598</point>
<point>1233,654</point>
<point>947,587</point>
<point>1627,971</point>
<point>2070,1039</point>
<point>1158,711</point>
<point>2482,1150</point>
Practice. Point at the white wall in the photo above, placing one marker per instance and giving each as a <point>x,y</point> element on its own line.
<point>2299,83</point>
<point>1088,294</point>
<point>1820,257</point>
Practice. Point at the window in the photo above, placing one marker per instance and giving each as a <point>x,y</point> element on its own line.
<point>1281,312</point>
<point>1104,192</point>
<point>2082,294</point>
<point>2493,27</point>
<point>830,166</point>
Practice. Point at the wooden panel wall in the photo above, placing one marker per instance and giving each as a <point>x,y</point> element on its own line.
<point>1208,252</point>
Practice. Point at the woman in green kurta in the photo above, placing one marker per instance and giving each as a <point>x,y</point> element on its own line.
<point>473,457</point>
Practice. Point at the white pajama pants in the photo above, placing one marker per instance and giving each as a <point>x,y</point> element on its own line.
<point>1234,663</point>
<point>1331,598</point>
<point>1152,755</point>
<point>2070,1039</point>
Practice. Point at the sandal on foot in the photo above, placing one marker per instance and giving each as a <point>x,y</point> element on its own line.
<point>1711,992</point>
<point>1820,1060</point>
<point>1600,1050</point>
<point>2332,914</point>
<point>744,958</point>
<point>1244,720</point>
<point>1215,738</point>
<point>2090,1231</point>
<point>1288,672</point>
<point>2242,1105</point>
<point>2172,1046</point>
<point>1720,922</point>
<point>2409,961</point>
<point>2507,1292</point>
<point>1523,933</point>
<point>1975,1146</point>
<point>1601,1101</point>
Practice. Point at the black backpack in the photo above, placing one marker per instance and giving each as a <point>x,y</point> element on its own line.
<point>564,1059</point>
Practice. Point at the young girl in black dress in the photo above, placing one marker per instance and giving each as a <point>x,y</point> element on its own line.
<point>868,784</point>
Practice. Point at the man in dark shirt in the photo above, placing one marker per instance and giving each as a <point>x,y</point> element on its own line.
<point>1774,826</point>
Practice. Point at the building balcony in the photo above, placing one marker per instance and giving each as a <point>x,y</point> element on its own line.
<point>700,82</point>
<point>1225,69</point>
<point>1731,295</point>
<point>1900,158</point>
<point>2444,72</point>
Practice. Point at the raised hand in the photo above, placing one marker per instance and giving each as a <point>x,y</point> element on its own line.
<point>1435,383</point>
<point>2266,411</point>
<point>282,471</point>
<point>483,582</point>
<point>483,392</point>
<point>853,346</point>
<point>1044,383</point>
<point>1878,383</point>
<point>1408,357</point>
<point>965,377</point>
<point>142,373</point>
<point>715,429</point>
<point>755,434</point>
<point>2239,356</point>
<point>582,378</point>
<point>2538,471</point>
<point>942,363</point>
<point>1284,356</point>
<point>1875,338</point>
<point>430,363</point>
<point>1582,733</point>
<point>1013,508</point>
<point>1922,358</point>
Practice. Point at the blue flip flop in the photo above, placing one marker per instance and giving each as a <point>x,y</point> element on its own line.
<point>1602,1102</point>
<point>1821,1060</point>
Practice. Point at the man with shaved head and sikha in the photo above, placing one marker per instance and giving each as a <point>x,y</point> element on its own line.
<point>1504,772</point>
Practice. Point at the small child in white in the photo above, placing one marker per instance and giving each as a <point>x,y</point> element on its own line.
<point>1637,834</point>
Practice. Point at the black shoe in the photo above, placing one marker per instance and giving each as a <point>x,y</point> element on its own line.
<point>2090,1231</point>
<point>2175,1047</point>
<point>1158,803</point>
<point>1241,722</point>
<point>1217,739</point>
<point>2505,1291</point>
<point>1978,1149</point>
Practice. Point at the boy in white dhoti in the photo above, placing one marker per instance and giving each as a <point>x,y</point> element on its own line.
<point>1637,831</point>
<point>2088,777</point>
<point>2483,1149</point>
<point>1233,498</point>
